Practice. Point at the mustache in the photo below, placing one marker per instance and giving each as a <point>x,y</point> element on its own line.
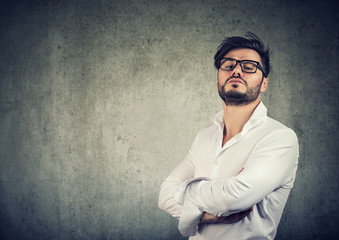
<point>233,77</point>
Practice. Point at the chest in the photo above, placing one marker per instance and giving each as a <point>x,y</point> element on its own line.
<point>213,161</point>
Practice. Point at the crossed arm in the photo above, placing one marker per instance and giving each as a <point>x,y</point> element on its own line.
<point>222,200</point>
<point>209,218</point>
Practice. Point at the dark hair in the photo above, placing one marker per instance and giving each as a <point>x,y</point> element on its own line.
<point>252,42</point>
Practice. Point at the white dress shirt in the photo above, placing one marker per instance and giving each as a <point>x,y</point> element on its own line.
<point>255,168</point>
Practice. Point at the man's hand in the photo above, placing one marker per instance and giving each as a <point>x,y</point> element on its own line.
<point>237,216</point>
<point>208,218</point>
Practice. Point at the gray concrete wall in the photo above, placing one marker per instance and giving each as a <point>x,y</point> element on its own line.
<point>101,99</point>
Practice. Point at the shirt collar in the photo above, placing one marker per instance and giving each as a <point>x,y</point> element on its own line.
<point>259,115</point>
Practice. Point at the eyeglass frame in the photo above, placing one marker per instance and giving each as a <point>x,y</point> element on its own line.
<point>240,61</point>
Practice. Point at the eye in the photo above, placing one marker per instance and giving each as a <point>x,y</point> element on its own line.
<point>249,66</point>
<point>227,65</point>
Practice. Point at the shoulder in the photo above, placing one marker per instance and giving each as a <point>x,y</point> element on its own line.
<point>274,130</point>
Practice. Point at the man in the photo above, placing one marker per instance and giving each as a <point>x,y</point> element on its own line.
<point>237,176</point>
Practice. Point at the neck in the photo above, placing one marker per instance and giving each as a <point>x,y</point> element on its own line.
<point>235,118</point>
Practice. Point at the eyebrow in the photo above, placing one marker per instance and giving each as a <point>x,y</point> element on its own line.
<point>241,60</point>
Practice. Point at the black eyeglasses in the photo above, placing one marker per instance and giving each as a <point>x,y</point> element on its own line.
<point>247,66</point>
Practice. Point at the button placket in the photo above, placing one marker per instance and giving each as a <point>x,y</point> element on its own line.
<point>215,167</point>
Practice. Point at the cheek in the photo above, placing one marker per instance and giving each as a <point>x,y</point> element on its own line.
<point>222,76</point>
<point>254,79</point>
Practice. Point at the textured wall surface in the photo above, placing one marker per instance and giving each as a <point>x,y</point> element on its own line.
<point>99,100</point>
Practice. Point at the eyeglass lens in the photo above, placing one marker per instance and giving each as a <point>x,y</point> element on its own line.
<point>246,66</point>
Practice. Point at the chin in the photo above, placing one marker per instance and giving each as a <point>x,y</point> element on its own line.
<point>238,91</point>
<point>235,85</point>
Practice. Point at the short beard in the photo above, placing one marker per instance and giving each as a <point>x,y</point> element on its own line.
<point>235,98</point>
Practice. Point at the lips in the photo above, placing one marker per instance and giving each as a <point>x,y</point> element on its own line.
<point>235,81</point>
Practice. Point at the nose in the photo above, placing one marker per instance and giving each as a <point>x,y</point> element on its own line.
<point>237,70</point>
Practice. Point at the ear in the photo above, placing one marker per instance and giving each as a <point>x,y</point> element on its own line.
<point>264,85</point>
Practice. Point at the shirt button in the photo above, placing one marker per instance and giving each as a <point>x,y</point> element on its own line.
<point>216,162</point>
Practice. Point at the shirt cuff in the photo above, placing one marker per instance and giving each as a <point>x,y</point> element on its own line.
<point>189,219</point>
<point>191,214</point>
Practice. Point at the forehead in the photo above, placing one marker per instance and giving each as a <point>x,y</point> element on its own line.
<point>243,54</point>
